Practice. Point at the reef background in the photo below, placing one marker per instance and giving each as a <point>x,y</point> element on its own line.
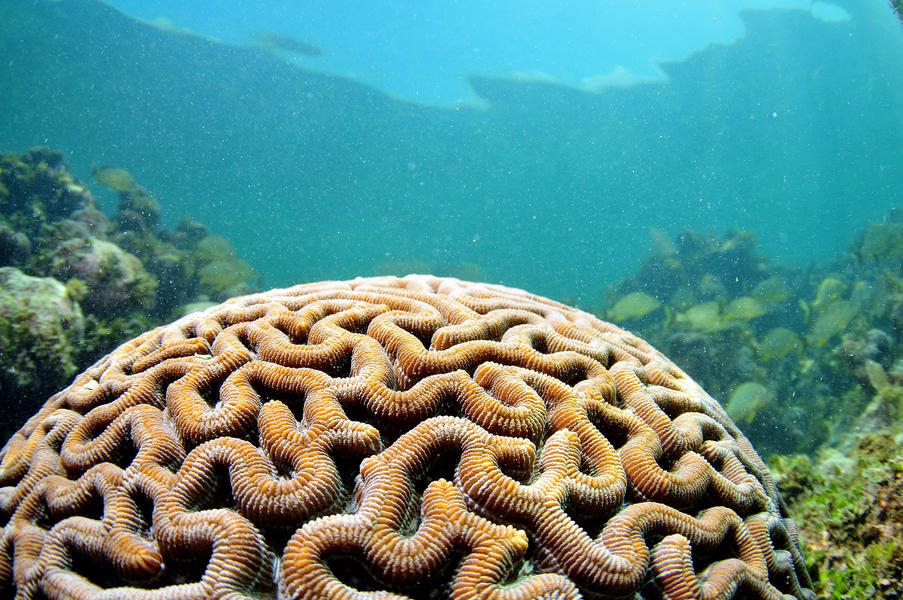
<point>783,133</point>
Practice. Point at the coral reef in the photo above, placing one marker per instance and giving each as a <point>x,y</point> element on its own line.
<point>731,318</point>
<point>849,502</point>
<point>800,357</point>
<point>51,225</point>
<point>818,371</point>
<point>848,492</point>
<point>114,280</point>
<point>41,328</point>
<point>418,436</point>
<point>189,263</point>
<point>36,188</point>
<point>123,274</point>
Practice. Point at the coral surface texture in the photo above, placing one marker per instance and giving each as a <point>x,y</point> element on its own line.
<point>389,438</point>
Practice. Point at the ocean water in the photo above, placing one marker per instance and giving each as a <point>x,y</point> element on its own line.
<point>559,146</point>
<point>519,143</point>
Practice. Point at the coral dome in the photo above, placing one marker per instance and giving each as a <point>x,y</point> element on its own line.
<point>416,437</point>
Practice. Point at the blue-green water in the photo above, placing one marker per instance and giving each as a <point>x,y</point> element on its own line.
<point>790,126</point>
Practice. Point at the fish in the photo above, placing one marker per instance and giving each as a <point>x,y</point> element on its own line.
<point>771,290</point>
<point>778,343</point>
<point>278,42</point>
<point>829,291</point>
<point>833,320</point>
<point>744,309</point>
<point>662,243</point>
<point>747,400</point>
<point>876,375</point>
<point>633,306</point>
<point>115,178</point>
<point>705,317</point>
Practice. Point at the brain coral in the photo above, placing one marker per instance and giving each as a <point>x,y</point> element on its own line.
<point>389,438</point>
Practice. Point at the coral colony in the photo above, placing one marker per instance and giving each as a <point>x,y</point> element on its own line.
<point>390,434</point>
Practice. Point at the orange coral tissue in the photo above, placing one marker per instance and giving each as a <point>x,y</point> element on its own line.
<point>389,438</point>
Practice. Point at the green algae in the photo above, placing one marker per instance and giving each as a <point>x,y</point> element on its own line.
<point>221,275</point>
<point>848,502</point>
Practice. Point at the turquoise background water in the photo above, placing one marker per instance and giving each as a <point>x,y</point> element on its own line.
<point>520,169</point>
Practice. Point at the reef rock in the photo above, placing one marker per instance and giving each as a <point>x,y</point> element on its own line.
<point>116,280</point>
<point>41,328</point>
<point>408,437</point>
<point>39,184</point>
